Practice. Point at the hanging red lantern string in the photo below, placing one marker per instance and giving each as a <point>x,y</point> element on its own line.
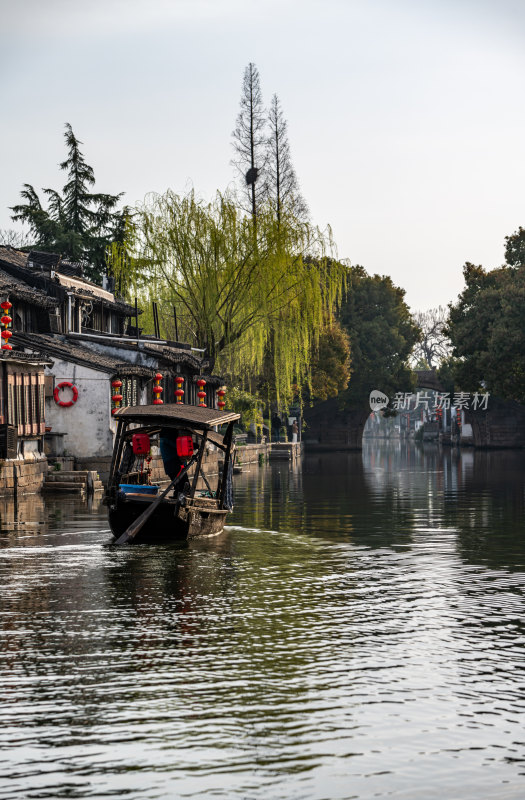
<point>6,320</point>
<point>157,390</point>
<point>201,394</point>
<point>220,398</point>
<point>179,391</point>
<point>116,397</point>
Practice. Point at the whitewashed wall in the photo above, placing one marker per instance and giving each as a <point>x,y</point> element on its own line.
<point>88,422</point>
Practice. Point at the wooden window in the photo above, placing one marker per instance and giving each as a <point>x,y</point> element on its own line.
<point>11,400</point>
<point>26,392</point>
<point>169,389</point>
<point>41,404</point>
<point>49,384</point>
<point>35,429</point>
<point>18,404</point>
<point>25,403</point>
<point>2,397</point>
<point>130,391</point>
<point>210,396</point>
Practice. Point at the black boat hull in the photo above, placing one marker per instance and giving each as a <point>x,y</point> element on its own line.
<point>168,522</point>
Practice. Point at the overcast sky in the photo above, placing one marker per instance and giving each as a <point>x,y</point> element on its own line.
<point>406,117</point>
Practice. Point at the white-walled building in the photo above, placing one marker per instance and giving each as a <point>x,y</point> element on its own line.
<point>90,341</point>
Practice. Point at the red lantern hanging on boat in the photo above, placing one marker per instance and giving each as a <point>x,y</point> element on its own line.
<point>201,394</point>
<point>141,444</point>
<point>157,390</point>
<point>179,391</point>
<point>6,320</point>
<point>220,398</point>
<point>116,397</point>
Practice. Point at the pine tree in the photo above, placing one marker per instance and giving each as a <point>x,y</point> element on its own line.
<point>249,140</point>
<point>281,180</point>
<point>78,223</point>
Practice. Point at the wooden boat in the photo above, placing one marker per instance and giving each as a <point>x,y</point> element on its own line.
<point>141,512</point>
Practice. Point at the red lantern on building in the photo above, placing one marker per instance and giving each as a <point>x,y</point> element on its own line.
<point>116,397</point>
<point>157,390</point>
<point>201,394</point>
<point>6,320</point>
<point>179,391</point>
<point>220,398</point>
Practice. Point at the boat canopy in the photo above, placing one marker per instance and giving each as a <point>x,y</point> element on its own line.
<point>176,414</point>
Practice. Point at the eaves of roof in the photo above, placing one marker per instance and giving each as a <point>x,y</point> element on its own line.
<point>56,347</point>
<point>213,380</point>
<point>15,356</point>
<point>10,286</point>
<point>168,355</point>
<point>15,263</point>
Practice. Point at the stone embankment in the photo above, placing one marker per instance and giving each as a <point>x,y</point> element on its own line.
<point>22,476</point>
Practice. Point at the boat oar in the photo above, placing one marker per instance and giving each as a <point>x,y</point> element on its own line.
<point>135,527</point>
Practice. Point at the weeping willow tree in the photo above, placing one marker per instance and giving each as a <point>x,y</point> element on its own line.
<point>238,293</point>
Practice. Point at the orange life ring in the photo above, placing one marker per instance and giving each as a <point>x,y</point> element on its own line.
<point>65,385</point>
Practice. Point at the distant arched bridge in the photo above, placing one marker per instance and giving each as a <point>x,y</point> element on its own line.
<point>428,379</point>
<point>329,427</point>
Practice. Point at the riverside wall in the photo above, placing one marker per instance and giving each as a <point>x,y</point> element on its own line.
<point>22,475</point>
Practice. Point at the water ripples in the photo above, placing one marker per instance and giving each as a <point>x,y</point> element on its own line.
<point>357,631</point>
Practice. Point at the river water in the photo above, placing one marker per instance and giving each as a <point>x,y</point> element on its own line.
<point>356,632</point>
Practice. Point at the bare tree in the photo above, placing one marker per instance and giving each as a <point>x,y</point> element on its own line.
<point>249,140</point>
<point>434,345</point>
<point>282,185</point>
<point>16,239</point>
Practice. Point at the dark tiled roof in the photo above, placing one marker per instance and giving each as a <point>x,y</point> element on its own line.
<point>126,308</point>
<point>48,260</point>
<point>173,356</point>
<point>213,380</point>
<point>168,355</point>
<point>12,256</point>
<point>16,289</point>
<point>182,356</point>
<point>56,262</point>
<point>19,355</point>
<point>59,347</point>
<point>41,279</point>
<point>71,270</point>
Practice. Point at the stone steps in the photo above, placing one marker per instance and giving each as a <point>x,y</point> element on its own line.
<point>64,487</point>
<point>81,481</point>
